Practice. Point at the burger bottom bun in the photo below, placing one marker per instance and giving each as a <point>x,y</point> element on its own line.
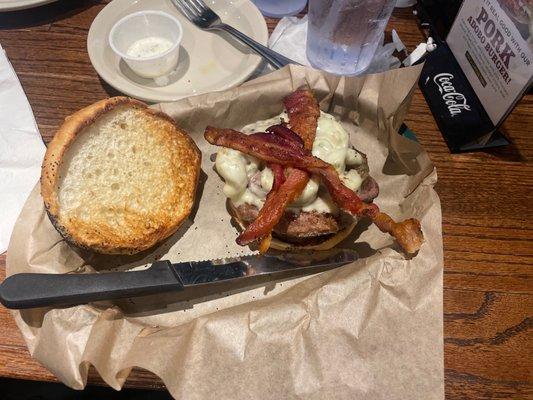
<point>329,242</point>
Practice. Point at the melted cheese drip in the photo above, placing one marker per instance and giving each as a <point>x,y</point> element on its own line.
<point>247,182</point>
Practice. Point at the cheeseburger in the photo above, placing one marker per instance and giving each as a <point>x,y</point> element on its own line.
<point>295,181</point>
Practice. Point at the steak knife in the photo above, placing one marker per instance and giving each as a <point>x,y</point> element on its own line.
<point>29,290</point>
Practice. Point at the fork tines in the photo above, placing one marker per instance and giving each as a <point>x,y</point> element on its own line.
<point>191,8</point>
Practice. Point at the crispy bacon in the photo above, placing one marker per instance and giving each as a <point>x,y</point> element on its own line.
<point>274,207</point>
<point>303,113</point>
<point>284,191</point>
<point>266,151</point>
<point>279,175</point>
<point>287,134</point>
<point>275,139</point>
<point>407,233</point>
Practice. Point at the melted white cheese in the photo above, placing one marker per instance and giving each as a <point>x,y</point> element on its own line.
<point>267,179</point>
<point>352,179</point>
<point>331,142</point>
<point>260,126</point>
<point>322,204</point>
<point>247,182</point>
<point>231,165</point>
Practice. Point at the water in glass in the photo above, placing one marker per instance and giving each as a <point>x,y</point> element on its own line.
<point>343,35</point>
<point>280,8</point>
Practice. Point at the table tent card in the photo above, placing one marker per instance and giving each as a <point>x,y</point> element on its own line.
<point>476,77</point>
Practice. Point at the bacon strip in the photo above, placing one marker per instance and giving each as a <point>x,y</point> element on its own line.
<point>279,175</point>
<point>275,139</point>
<point>407,233</point>
<point>274,207</point>
<point>266,151</point>
<point>281,130</point>
<point>303,113</point>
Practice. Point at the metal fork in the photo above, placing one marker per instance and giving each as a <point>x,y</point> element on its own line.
<point>205,18</point>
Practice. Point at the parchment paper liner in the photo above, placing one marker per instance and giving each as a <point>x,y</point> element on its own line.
<point>372,329</point>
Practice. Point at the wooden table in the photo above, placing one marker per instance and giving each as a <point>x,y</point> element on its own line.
<point>486,204</point>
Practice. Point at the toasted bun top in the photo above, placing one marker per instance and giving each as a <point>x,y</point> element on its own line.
<point>119,177</point>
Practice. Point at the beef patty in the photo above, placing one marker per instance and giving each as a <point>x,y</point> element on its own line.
<point>305,226</point>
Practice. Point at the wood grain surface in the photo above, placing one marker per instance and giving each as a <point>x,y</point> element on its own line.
<point>486,203</point>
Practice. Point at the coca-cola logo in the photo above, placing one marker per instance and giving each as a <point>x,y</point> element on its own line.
<point>455,101</point>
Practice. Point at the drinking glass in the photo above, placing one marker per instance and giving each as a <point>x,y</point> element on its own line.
<point>343,35</point>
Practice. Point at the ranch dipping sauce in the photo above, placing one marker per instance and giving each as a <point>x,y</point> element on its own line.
<point>149,47</point>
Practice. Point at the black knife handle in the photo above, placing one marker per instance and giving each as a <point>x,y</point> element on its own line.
<point>44,290</point>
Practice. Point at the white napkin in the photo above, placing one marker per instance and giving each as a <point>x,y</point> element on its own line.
<point>290,37</point>
<point>21,149</point>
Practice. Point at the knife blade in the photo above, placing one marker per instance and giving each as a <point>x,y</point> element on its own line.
<point>29,290</point>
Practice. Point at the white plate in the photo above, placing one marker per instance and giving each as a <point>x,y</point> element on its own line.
<point>11,5</point>
<point>209,61</point>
